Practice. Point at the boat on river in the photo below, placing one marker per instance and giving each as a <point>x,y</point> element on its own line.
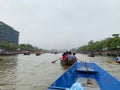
<point>89,75</point>
<point>26,52</point>
<point>38,53</point>
<point>116,60</point>
<point>91,55</point>
<point>67,62</point>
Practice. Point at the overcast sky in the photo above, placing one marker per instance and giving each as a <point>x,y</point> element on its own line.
<point>61,24</point>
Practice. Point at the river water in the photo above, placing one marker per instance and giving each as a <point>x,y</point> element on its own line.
<point>31,72</point>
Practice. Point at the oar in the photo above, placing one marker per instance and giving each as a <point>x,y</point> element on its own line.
<point>55,60</point>
<point>86,67</point>
<point>88,72</point>
<point>88,79</point>
<point>78,59</point>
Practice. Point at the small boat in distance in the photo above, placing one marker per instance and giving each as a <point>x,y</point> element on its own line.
<point>26,52</point>
<point>91,54</point>
<point>55,52</point>
<point>38,53</point>
<point>89,75</point>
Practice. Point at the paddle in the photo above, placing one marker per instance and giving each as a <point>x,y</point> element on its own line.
<point>55,60</point>
<point>88,72</point>
<point>88,79</point>
<point>78,59</point>
<point>86,67</point>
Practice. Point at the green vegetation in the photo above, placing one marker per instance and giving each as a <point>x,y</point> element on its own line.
<point>98,46</point>
<point>111,42</point>
<point>8,46</point>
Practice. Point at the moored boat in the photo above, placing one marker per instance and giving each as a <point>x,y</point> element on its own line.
<point>89,75</point>
<point>5,53</point>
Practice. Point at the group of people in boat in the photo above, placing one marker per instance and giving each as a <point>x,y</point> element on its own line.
<point>69,56</point>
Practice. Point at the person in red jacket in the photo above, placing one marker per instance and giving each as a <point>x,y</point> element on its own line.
<point>63,56</point>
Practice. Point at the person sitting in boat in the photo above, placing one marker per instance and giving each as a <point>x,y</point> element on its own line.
<point>69,57</point>
<point>118,59</point>
<point>74,57</point>
<point>63,56</point>
<point>67,53</point>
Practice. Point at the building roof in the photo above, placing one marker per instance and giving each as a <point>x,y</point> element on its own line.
<point>1,23</point>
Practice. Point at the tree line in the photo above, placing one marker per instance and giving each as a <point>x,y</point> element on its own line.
<point>8,46</point>
<point>98,46</point>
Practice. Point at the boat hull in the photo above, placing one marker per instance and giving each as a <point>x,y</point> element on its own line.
<point>91,55</point>
<point>38,54</point>
<point>26,52</point>
<point>104,80</point>
<point>67,62</point>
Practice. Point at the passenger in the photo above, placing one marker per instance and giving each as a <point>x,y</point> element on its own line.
<point>67,53</point>
<point>118,59</point>
<point>63,56</point>
<point>74,57</point>
<point>69,57</point>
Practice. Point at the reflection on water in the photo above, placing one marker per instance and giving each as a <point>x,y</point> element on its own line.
<point>33,72</point>
<point>7,71</point>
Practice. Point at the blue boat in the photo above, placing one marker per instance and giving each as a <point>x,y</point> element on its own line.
<point>116,60</point>
<point>82,72</point>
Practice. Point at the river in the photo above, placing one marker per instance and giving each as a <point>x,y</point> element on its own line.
<point>31,72</point>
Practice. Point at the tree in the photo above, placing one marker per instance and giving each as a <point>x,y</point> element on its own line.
<point>115,35</point>
<point>8,46</point>
<point>99,45</point>
<point>108,42</point>
<point>27,47</point>
<point>82,49</point>
<point>90,42</point>
<point>73,50</point>
<point>115,43</point>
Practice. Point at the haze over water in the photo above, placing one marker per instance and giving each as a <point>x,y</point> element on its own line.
<point>33,72</point>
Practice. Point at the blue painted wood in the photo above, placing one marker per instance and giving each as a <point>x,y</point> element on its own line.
<point>103,79</point>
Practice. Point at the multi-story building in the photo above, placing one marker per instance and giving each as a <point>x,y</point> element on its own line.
<point>7,33</point>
